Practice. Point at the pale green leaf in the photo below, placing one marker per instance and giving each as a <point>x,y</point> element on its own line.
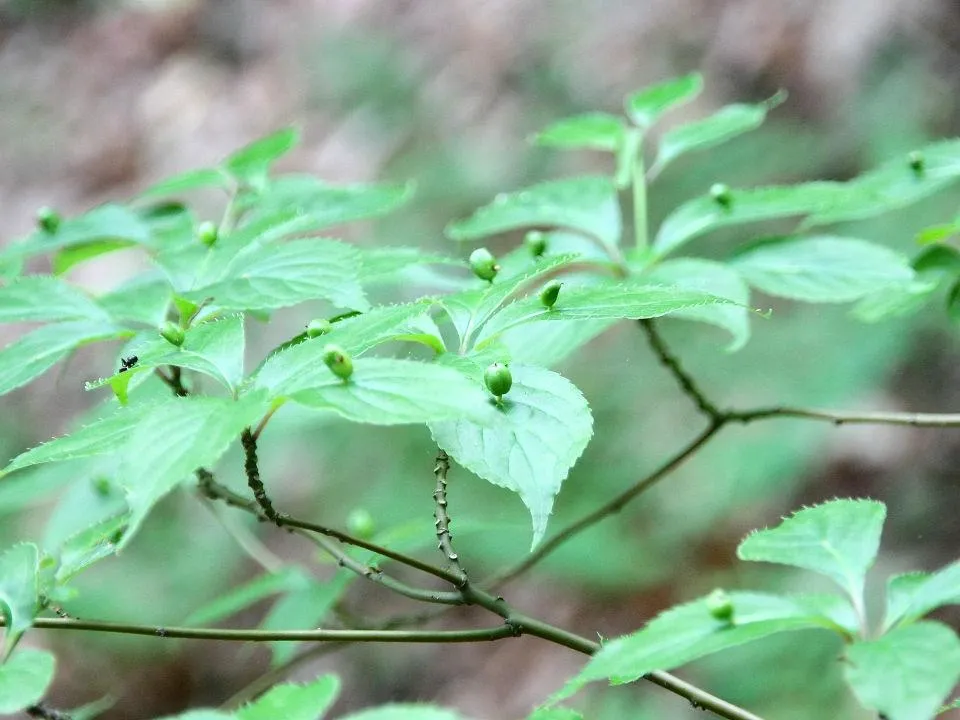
<point>934,266</point>
<point>144,300</point>
<point>383,264</point>
<point>704,214</point>
<point>716,279</point>
<point>584,204</point>
<point>94,543</point>
<point>24,679</point>
<point>555,713</point>
<point>907,673</point>
<point>549,344</point>
<point>68,257</point>
<point>34,298</point>
<point>251,162</point>
<point>822,268</point>
<point>233,601</point>
<point>633,300</point>
<point>293,702</point>
<point>595,131</point>
<point>175,438</point>
<point>544,424</point>
<point>648,104</point>
<point>276,276</point>
<point>33,354</point>
<point>19,590</point>
<point>408,711</point>
<point>392,392</point>
<point>838,539</point>
<point>300,365</point>
<point>913,595</point>
<point>687,632</point>
<point>727,123</point>
<point>187,181</point>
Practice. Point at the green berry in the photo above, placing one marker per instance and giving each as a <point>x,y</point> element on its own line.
<point>536,241</point>
<point>318,327</point>
<point>338,361</point>
<point>498,379</point>
<point>550,293</point>
<point>48,219</point>
<point>484,264</point>
<point>360,523</point>
<point>721,195</point>
<point>207,233</point>
<point>172,333</point>
<point>916,161</point>
<point>720,605</point>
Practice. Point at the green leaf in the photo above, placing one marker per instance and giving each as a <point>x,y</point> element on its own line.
<point>286,579</point>
<point>200,715</point>
<point>704,214</point>
<point>381,264</point>
<point>144,300</point>
<point>907,673</point>
<point>19,590</point>
<point>33,354</point>
<point>838,539</point>
<point>544,424</point>
<point>723,125</point>
<point>584,204</point>
<point>301,365</point>
<point>913,595</point>
<point>646,106</point>
<point>175,438</point>
<point>24,679</point>
<point>107,222</point>
<point>394,392</point>
<point>251,162</point>
<point>324,205</point>
<point>632,299</point>
<point>187,181</point>
<point>950,706</point>
<point>214,348</point>
<point>555,714</point>
<point>407,711</point>
<point>595,131</point>
<point>276,276</point>
<point>41,297</point>
<point>822,268</point>
<point>687,632</point>
<point>938,233</point>
<point>549,344</point>
<point>83,549</point>
<point>894,185</point>
<point>293,702</point>
<point>934,266</point>
<point>714,278</point>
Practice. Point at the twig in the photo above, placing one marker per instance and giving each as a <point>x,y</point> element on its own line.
<point>252,469</point>
<point>687,384</point>
<point>848,418</point>
<point>444,538</point>
<point>174,380</point>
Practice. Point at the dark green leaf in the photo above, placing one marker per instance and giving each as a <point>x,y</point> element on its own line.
<point>838,539</point>
<point>585,204</point>
<point>293,702</point>
<point>40,297</point>
<point>595,131</point>
<point>913,595</point>
<point>19,590</point>
<point>67,258</point>
<point>24,679</point>
<point>544,424</point>
<point>822,268</point>
<point>907,673</point>
<point>645,106</point>
<point>934,266</point>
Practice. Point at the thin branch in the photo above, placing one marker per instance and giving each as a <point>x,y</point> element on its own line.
<point>848,418</point>
<point>174,380</point>
<point>686,382</point>
<point>252,470</point>
<point>444,538</point>
<point>244,635</point>
<point>263,421</point>
<point>607,509</point>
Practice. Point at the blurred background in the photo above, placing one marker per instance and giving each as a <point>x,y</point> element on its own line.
<point>100,99</point>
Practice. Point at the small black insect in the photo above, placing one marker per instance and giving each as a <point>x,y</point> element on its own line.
<point>128,362</point>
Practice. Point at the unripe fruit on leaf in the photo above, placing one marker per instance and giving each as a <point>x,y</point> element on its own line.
<point>48,219</point>
<point>360,523</point>
<point>720,605</point>
<point>207,233</point>
<point>537,242</point>
<point>721,194</point>
<point>483,264</point>
<point>338,361</point>
<point>916,161</point>
<point>498,379</point>
<point>550,293</point>
<point>172,333</point>
<point>318,327</point>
